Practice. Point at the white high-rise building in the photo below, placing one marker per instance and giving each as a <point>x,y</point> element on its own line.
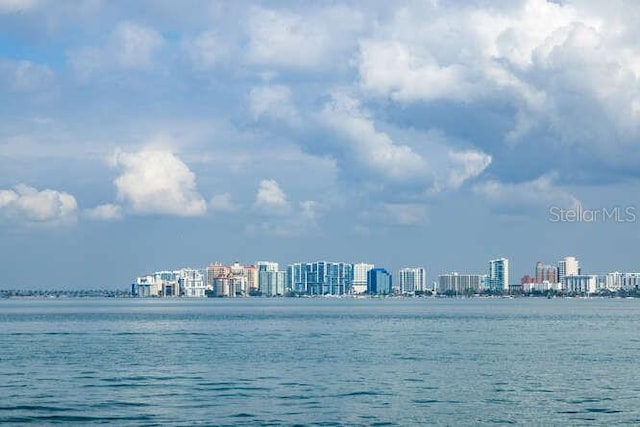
<point>498,278</point>
<point>192,282</point>
<point>271,283</point>
<point>567,266</point>
<point>412,279</point>
<point>360,270</point>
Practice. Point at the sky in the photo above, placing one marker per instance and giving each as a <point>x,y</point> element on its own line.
<point>150,135</point>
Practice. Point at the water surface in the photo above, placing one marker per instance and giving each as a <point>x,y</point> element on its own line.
<point>319,361</point>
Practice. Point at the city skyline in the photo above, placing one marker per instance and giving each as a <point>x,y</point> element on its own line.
<point>268,278</point>
<point>135,136</point>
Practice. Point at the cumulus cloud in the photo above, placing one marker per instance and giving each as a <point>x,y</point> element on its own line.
<point>106,212</point>
<point>368,147</point>
<point>466,165</point>
<point>285,38</point>
<point>222,203</point>
<point>27,205</point>
<point>270,198</point>
<point>392,69</point>
<point>569,71</point>
<point>157,182</point>
<point>305,41</point>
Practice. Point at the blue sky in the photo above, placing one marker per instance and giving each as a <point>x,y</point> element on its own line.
<point>161,134</point>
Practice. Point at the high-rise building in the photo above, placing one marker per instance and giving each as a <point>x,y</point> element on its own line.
<point>498,278</point>
<point>214,270</point>
<point>546,273</point>
<point>192,283</point>
<point>378,281</point>
<point>272,283</point>
<point>461,283</point>
<point>567,266</point>
<point>321,278</point>
<point>412,279</point>
<point>359,284</point>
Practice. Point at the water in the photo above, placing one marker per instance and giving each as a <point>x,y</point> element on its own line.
<point>319,361</point>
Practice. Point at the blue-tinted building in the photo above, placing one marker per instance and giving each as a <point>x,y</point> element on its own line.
<point>378,281</point>
<point>320,278</point>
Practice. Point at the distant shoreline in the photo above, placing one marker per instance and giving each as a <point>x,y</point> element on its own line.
<point>121,294</point>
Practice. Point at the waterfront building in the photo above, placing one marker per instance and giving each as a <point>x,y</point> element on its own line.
<point>222,286</point>
<point>627,281</point>
<point>271,283</point>
<point>567,266</point>
<point>359,284</point>
<point>379,281</point>
<point>321,278</point>
<point>412,280</point>
<point>461,283</point>
<point>546,273</point>
<point>580,283</point>
<point>251,275</point>
<point>214,270</point>
<point>192,282</point>
<point>158,284</point>
<point>540,287</point>
<point>296,279</point>
<point>498,278</point>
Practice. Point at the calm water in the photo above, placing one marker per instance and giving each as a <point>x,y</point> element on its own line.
<point>320,361</point>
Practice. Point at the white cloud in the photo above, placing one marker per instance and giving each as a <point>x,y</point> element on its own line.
<point>27,205</point>
<point>466,165</point>
<point>525,197</point>
<point>272,101</point>
<point>569,70</point>
<point>106,212</point>
<point>157,182</point>
<point>286,39</point>
<point>308,40</point>
<point>368,147</point>
<point>130,46</point>
<point>270,198</point>
<point>222,203</point>
<point>134,45</point>
<point>392,69</point>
